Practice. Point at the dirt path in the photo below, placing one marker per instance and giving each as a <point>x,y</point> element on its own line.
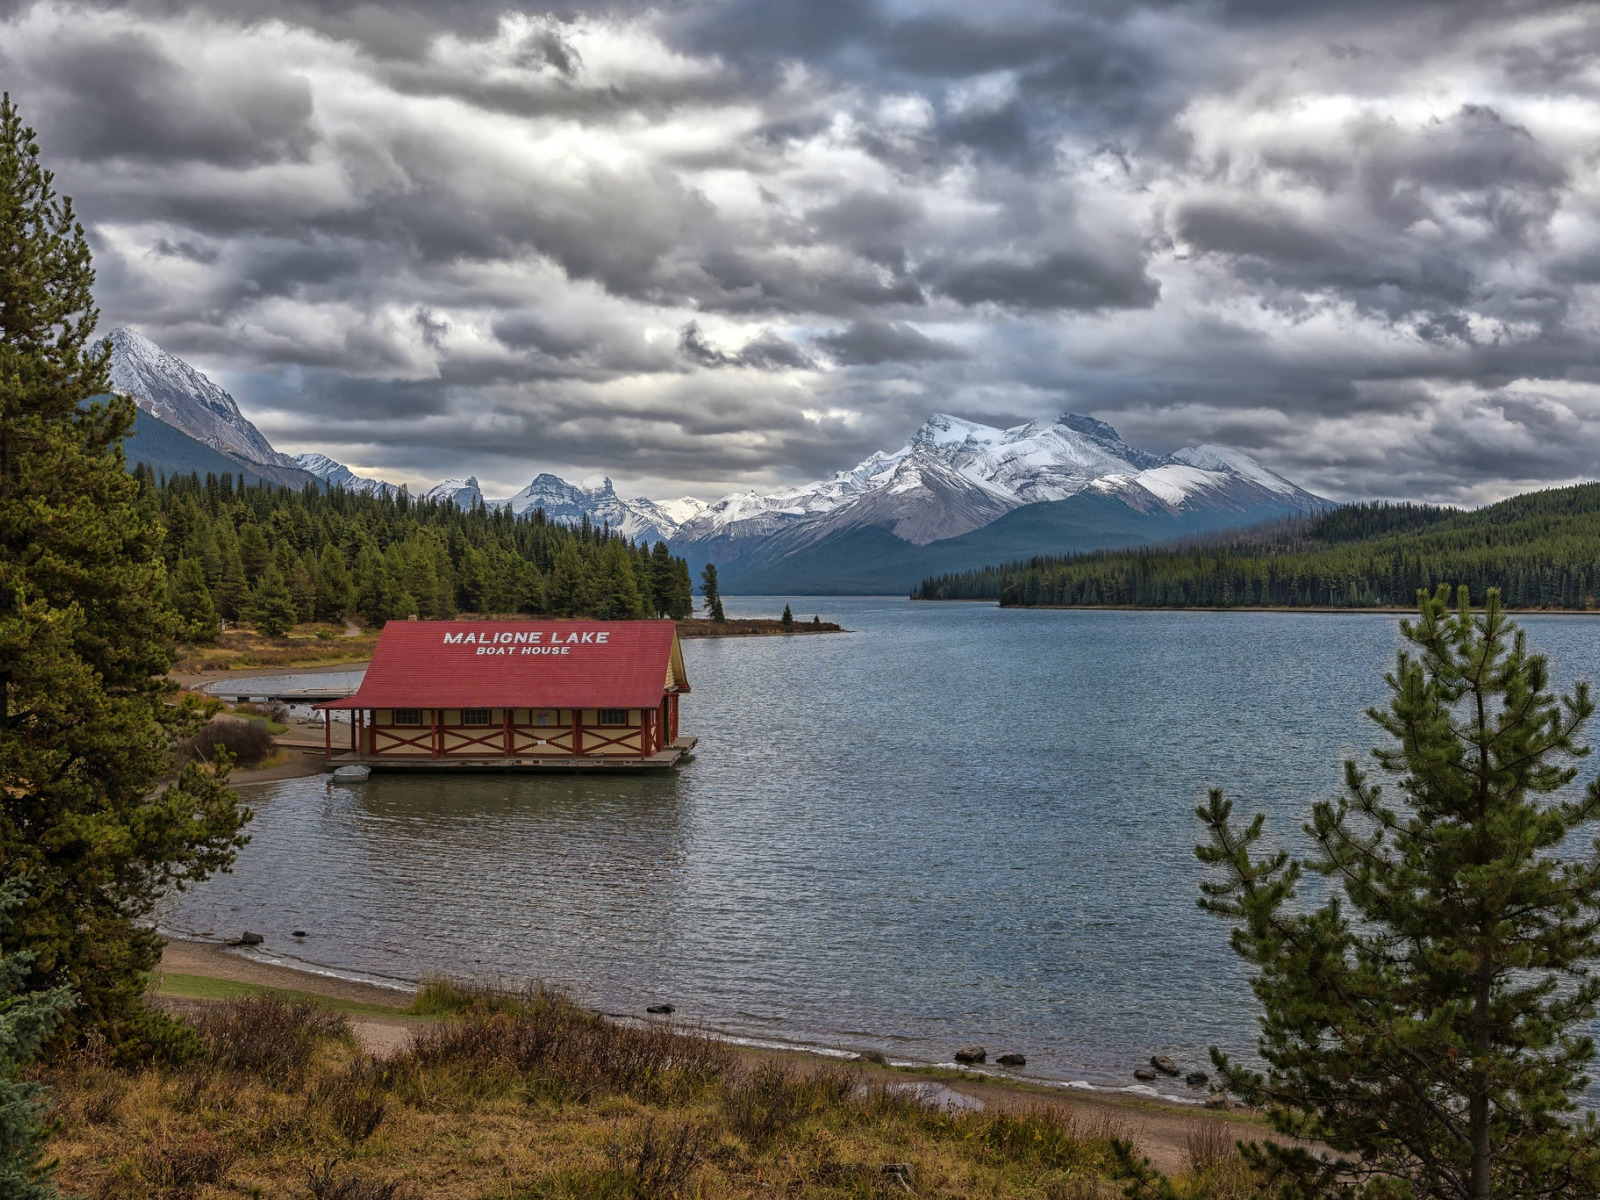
<point>1161,1131</point>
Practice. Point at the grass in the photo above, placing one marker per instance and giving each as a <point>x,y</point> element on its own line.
<point>203,987</point>
<point>304,646</point>
<point>529,1097</point>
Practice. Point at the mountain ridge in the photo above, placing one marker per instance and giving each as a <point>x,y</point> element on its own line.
<point>953,478</point>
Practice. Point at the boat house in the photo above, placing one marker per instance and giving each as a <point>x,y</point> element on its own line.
<point>535,695</point>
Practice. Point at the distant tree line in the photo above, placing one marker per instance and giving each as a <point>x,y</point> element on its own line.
<point>274,557</point>
<point>1541,550</point>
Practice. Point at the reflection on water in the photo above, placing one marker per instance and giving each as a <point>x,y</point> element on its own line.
<point>955,825</point>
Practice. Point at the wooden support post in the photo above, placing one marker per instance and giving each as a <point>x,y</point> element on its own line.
<point>327,735</point>
<point>577,733</point>
<point>435,738</point>
<point>505,723</point>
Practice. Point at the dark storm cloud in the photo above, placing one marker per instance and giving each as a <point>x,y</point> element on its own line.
<point>1061,279</point>
<point>1363,239</point>
<point>125,97</point>
<point>870,342</point>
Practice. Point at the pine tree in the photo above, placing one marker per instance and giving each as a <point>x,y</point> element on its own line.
<point>86,640</point>
<point>254,553</point>
<point>788,617</point>
<point>336,592</point>
<point>617,596</point>
<point>233,592</point>
<point>192,600</point>
<point>27,1019</point>
<point>375,590</point>
<point>564,589</point>
<point>663,580</point>
<point>271,609</point>
<point>403,608</point>
<point>1429,1025</point>
<point>303,587</point>
<point>708,588</point>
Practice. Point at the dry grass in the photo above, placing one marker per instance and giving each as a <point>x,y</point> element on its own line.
<point>532,1098</point>
<point>304,646</point>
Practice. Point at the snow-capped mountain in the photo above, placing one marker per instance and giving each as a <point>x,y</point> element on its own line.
<point>955,476</point>
<point>171,390</point>
<point>463,493</point>
<point>569,503</point>
<point>336,474</point>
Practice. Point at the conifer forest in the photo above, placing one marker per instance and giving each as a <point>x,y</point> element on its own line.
<point>1541,550</point>
<point>275,557</point>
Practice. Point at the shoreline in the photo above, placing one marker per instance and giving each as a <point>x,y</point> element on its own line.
<point>1315,610</point>
<point>1161,1125</point>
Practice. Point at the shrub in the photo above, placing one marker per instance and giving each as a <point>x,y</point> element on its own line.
<point>248,742</point>
<point>267,1035</point>
<point>179,1165</point>
<point>1044,1137</point>
<point>663,1165</point>
<point>441,997</point>
<point>770,1099</point>
<point>571,1053</point>
<point>328,1182</point>
<point>355,1099</point>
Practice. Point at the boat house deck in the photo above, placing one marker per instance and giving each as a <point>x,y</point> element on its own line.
<point>517,696</point>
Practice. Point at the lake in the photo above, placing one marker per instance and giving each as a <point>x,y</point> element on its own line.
<point>956,824</point>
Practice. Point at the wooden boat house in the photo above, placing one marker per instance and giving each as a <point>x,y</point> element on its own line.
<point>533,695</point>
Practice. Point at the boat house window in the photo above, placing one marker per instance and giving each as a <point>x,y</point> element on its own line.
<point>613,716</point>
<point>544,718</point>
<point>408,716</point>
<point>474,716</point>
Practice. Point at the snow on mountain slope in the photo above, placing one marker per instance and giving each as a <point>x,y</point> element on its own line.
<point>336,474</point>
<point>171,390</point>
<point>1236,463</point>
<point>641,520</point>
<point>463,493</point>
<point>956,475</point>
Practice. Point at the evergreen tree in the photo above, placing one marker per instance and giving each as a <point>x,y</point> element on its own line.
<point>708,588</point>
<point>27,1019</point>
<point>617,596</point>
<point>254,553</point>
<point>303,587</point>
<point>682,593</point>
<point>233,592</point>
<point>788,617</point>
<point>86,640</point>
<point>375,590</point>
<point>565,587</point>
<point>663,580</point>
<point>403,608</point>
<point>192,600</point>
<point>1430,1025</point>
<point>271,608</point>
<point>336,591</point>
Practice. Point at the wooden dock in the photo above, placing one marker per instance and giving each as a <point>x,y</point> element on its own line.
<point>663,760</point>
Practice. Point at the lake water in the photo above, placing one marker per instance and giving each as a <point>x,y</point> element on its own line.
<point>956,824</point>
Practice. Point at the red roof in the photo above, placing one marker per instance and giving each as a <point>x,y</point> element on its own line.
<point>521,664</point>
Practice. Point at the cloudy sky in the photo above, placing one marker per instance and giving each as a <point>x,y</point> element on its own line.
<point>703,245</point>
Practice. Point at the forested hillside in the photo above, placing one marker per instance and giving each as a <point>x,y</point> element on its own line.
<point>273,556</point>
<point>1542,550</point>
